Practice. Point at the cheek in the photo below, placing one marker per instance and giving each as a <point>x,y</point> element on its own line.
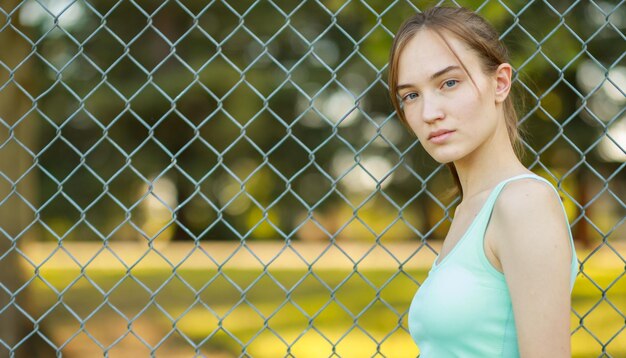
<point>420,131</point>
<point>467,100</point>
<point>482,114</point>
<point>472,101</point>
<point>413,120</point>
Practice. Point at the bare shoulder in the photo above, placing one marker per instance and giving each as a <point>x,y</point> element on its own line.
<point>529,220</point>
<point>524,199</point>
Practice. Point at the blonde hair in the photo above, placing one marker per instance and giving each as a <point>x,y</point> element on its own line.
<point>480,36</point>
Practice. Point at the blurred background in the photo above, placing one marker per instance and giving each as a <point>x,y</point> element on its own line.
<point>228,178</point>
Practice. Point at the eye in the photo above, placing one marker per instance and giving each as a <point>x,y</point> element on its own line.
<point>450,83</point>
<point>409,96</point>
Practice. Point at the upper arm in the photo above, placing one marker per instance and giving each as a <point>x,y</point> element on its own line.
<point>534,250</point>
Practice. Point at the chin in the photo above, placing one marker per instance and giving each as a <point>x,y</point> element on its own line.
<point>443,158</point>
<point>451,152</point>
<point>444,161</point>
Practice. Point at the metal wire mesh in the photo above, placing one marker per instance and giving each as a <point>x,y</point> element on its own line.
<point>227,178</point>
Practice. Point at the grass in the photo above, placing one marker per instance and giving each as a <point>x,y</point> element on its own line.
<point>306,313</point>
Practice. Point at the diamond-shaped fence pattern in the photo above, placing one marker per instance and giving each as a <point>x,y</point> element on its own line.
<point>227,178</point>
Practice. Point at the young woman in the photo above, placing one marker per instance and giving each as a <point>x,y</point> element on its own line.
<point>501,285</point>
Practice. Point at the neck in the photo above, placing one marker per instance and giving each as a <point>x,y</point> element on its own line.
<point>489,164</point>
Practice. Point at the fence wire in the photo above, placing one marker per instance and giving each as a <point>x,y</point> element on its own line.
<point>227,178</point>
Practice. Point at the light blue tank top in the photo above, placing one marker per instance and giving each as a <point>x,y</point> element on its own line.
<point>463,308</point>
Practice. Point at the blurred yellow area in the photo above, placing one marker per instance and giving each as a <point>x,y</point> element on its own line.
<point>273,299</point>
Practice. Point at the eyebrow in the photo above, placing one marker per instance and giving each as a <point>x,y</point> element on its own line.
<point>434,75</point>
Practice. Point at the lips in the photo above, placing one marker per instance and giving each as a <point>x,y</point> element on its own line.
<point>438,133</point>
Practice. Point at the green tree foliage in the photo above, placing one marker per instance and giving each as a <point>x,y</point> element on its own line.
<point>263,116</point>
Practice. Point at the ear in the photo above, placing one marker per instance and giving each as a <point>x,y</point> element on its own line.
<point>503,82</point>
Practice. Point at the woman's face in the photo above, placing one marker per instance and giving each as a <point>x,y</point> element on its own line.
<point>438,95</point>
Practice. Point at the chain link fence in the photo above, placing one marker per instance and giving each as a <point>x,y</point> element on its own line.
<point>227,178</point>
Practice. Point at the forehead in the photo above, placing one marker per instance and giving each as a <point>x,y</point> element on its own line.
<point>426,53</point>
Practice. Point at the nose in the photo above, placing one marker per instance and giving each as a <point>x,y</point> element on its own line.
<point>431,109</point>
